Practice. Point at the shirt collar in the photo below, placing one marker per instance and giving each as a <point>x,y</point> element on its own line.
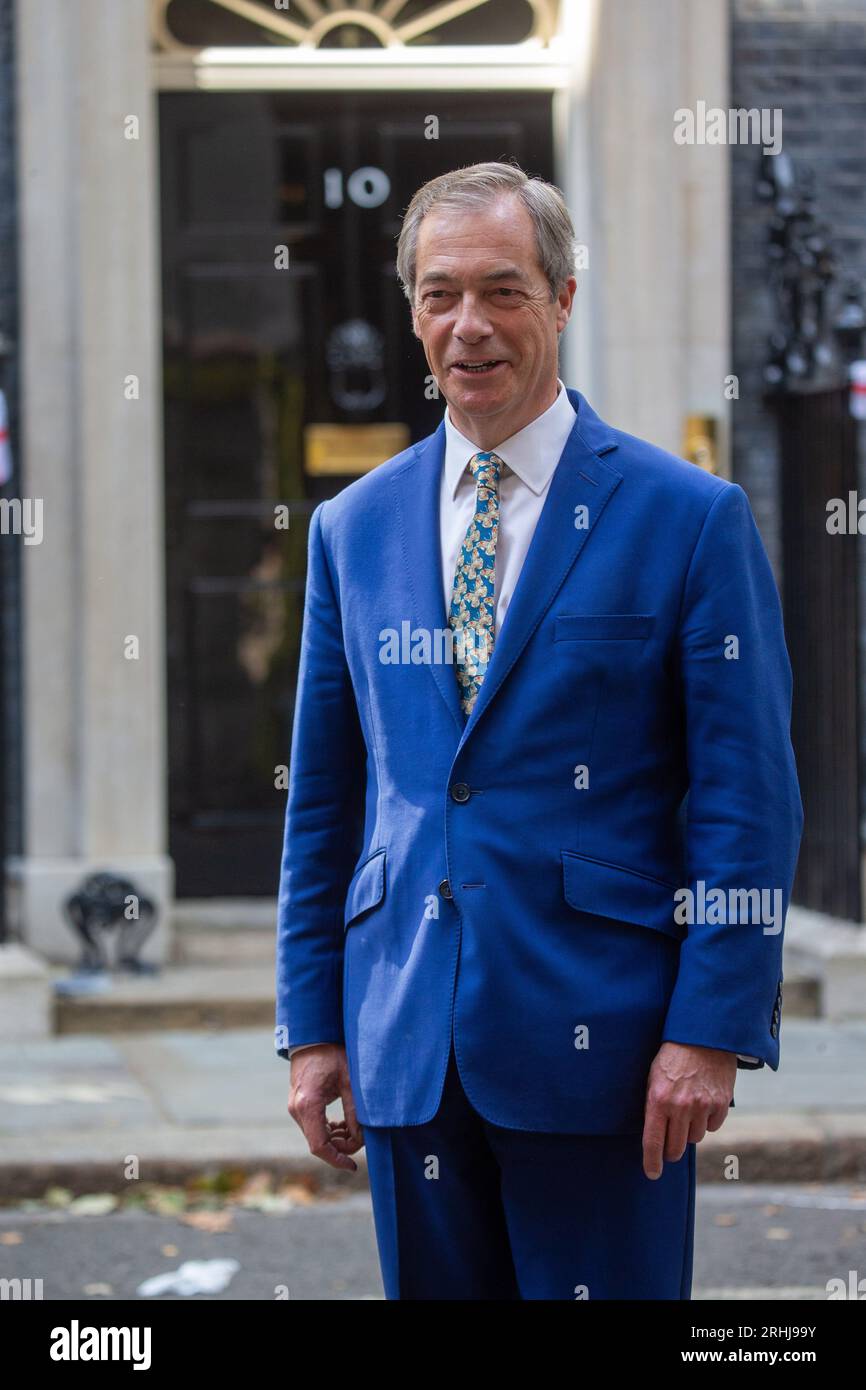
<point>532,453</point>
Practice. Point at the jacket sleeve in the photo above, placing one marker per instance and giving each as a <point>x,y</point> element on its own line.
<point>744,815</point>
<point>323,827</point>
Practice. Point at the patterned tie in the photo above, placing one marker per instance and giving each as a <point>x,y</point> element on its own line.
<point>472,616</point>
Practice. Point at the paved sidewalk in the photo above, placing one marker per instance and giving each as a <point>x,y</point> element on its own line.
<point>72,1109</point>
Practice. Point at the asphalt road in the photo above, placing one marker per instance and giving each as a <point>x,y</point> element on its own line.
<point>771,1243</point>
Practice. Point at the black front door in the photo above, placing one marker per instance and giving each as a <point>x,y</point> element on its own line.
<point>282,314</point>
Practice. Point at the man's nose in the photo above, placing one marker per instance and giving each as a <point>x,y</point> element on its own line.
<point>471,320</point>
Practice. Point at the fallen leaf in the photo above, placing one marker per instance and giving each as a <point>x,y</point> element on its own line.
<point>220,1183</point>
<point>94,1204</point>
<point>298,1193</point>
<point>270,1202</point>
<point>213,1221</point>
<point>167,1201</point>
<point>135,1199</point>
<point>57,1197</point>
<point>255,1186</point>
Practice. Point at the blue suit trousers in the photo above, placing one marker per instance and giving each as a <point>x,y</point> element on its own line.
<point>468,1210</point>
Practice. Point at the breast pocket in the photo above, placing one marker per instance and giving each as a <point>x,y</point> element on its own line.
<point>602,627</point>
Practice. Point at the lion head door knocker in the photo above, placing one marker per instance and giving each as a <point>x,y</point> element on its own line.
<point>104,904</point>
<point>355,355</point>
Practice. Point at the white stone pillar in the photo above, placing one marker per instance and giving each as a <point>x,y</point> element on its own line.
<point>95,747</point>
<point>649,343</point>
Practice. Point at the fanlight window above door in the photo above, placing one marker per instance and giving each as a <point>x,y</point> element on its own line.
<point>188,25</point>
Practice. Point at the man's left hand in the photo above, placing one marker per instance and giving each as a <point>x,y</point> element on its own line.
<point>689,1091</point>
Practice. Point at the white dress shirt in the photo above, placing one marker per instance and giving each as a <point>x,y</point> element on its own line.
<point>530,458</point>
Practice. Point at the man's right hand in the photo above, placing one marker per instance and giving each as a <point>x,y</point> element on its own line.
<point>318,1076</point>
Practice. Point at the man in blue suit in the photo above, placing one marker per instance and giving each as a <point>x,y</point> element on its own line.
<point>543,812</point>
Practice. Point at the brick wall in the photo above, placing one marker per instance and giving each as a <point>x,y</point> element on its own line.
<point>809,58</point>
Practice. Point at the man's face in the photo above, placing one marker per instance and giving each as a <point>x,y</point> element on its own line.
<point>481,297</point>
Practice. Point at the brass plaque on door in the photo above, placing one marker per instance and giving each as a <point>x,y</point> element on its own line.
<point>699,442</point>
<point>346,449</point>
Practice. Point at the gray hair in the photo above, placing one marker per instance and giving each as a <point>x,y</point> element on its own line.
<point>477,186</point>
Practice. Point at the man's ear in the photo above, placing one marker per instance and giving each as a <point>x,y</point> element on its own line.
<point>566,302</point>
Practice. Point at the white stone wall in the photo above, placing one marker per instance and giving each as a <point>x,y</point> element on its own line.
<point>649,343</point>
<point>94,755</point>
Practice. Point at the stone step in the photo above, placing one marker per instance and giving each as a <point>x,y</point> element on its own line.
<point>180,997</point>
<point>801,996</point>
<point>240,995</point>
<point>224,931</point>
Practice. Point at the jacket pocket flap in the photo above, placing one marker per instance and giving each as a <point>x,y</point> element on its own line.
<point>602,626</point>
<point>608,890</point>
<point>366,888</point>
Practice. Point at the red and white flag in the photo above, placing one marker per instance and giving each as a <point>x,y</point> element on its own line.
<point>5,444</point>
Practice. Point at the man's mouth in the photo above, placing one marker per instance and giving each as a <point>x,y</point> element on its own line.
<point>478,368</point>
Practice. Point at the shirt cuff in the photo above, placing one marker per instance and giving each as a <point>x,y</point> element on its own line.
<point>749,1063</point>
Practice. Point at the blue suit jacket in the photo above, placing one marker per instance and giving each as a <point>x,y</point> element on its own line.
<point>441,874</point>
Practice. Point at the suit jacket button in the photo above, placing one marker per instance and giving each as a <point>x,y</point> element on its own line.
<point>460,792</point>
<point>445,889</point>
<point>774,1029</point>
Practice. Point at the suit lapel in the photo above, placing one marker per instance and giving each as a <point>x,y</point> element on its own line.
<point>579,491</point>
<point>417,487</point>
